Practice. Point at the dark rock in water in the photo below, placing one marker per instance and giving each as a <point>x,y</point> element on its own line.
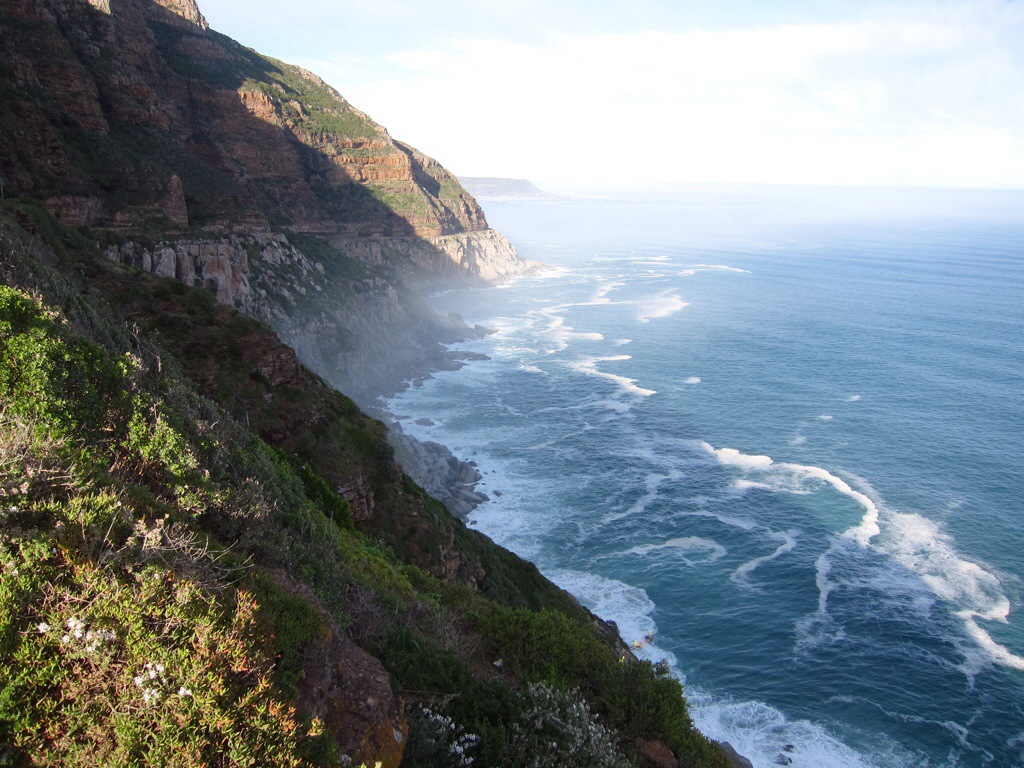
<point>783,760</point>
<point>736,760</point>
<point>424,422</point>
<point>418,383</point>
<point>497,494</point>
<point>468,356</point>
<point>788,748</point>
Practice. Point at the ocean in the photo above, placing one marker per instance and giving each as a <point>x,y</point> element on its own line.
<point>777,435</point>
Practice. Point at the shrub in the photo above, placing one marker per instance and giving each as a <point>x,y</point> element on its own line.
<point>557,729</point>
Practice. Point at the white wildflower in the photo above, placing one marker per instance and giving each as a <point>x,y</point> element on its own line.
<point>184,692</point>
<point>43,628</point>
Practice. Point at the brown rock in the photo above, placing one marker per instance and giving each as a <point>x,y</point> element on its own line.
<point>80,75</point>
<point>359,495</point>
<point>348,689</point>
<point>736,760</point>
<point>173,205</point>
<point>655,754</point>
<point>76,210</point>
<point>183,14</point>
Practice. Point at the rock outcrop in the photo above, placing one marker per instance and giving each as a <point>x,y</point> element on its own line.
<point>439,472</point>
<point>221,266</point>
<point>473,258</point>
<point>349,690</point>
<point>736,760</point>
<point>347,311</point>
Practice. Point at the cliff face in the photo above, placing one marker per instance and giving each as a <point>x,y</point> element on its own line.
<point>126,113</point>
<point>347,312</point>
<point>193,153</point>
<point>474,259</point>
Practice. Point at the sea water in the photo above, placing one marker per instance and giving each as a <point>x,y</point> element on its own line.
<point>776,435</point>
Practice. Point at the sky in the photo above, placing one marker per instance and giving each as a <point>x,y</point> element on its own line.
<point>580,94</point>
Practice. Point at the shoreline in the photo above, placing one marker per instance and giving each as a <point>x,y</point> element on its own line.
<point>433,466</point>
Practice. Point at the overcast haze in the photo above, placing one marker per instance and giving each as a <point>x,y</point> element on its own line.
<point>573,94</point>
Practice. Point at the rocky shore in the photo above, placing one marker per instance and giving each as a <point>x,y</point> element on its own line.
<point>438,471</point>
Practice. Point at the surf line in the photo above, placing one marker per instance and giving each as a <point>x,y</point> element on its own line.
<point>862,533</point>
<point>981,599</point>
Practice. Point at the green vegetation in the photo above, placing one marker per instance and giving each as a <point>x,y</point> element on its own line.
<point>302,98</point>
<point>127,634</point>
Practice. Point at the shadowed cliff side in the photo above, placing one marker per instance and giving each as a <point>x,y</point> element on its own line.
<point>193,157</point>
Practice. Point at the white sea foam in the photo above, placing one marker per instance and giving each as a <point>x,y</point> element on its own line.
<point>692,380</point>
<point>560,332</point>
<point>588,366</point>
<point>711,549</point>
<point>733,458</point>
<point>623,342</point>
<point>665,304</point>
<point>853,398</point>
<point>921,545</point>
<point>788,542</point>
<point>602,292</point>
<point>628,606</point>
<point>826,417</point>
<point>917,544</point>
<point>709,268</point>
<point>785,476</point>
<point>742,486</point>
<point>721,267</point>
<point>760,732</point>
<point>609,404</point>
<point>742,523</point>
<point>798,440</point>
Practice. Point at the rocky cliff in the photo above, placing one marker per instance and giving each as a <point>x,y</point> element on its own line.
<point>192,156</point>
<point>350,311</point>
<point>470,259</point>
<point>129,113</point>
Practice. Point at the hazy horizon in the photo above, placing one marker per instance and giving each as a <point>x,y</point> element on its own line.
<point>910,93</point>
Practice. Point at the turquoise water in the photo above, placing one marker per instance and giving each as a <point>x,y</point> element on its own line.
<point>781,430</point>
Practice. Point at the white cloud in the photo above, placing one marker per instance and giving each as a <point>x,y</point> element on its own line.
<point>930,95</point>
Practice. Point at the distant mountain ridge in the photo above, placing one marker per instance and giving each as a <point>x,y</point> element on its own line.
<point>501,188</point>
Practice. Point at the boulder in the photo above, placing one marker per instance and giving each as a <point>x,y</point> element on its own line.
<point>656,754</point>
<point>736,760</point>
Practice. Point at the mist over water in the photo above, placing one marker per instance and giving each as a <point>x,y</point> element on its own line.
<point>776,436</point>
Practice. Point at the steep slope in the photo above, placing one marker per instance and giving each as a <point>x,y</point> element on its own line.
<point>213,558</point>
<point>131,112</point>
<point>197,158</point>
